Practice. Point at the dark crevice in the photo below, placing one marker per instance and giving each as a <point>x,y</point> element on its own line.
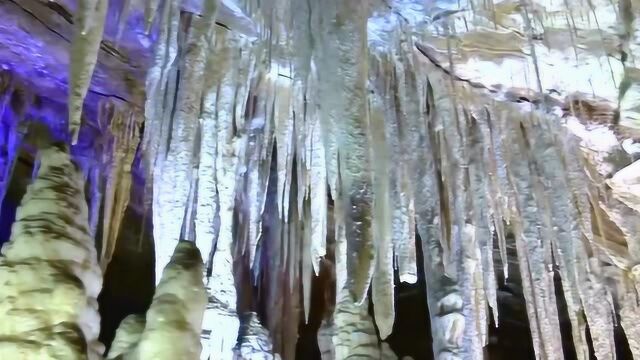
<point>411,335</point>
<point>129,281</point>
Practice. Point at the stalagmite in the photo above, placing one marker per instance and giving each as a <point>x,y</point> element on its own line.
<point>51,254</point>
<point>273,263</point>
<point>125,344</point>
<point>174,320</point>
<point>355,335</point>
<point>291,270</point>
<point>89,27</point>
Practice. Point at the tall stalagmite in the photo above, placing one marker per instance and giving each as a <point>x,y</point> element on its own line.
<point>174,320</point>
<point>51,255</point>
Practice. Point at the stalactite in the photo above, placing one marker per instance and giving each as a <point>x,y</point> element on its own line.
<point>301,129</point>
<point>207,221</point>
<point>123,16</point>
<point>533,251</point>
<point>150,12</point>
<point>291,272</point>
<point>306,258</point>
<point>352,136</point>
<point>382,287</point>
<point>402,137</point>
<point>160,90</point>
<point>160,135</point>
<point>174,320</point>
<point>402,126</point>
<point>173,186</point>
<point>222,285</point>
<point>52,253</point>
<point>568,247</point>
<point>461,261</point>
<point>96,185</point>
<point>89,27</point>
<point>259,135</point>
<point>444,299</point>
<point>283,119</point>
<point>273,259</point>
<point>480,192</point>
<point>317,168</point>
<point>124,144</point>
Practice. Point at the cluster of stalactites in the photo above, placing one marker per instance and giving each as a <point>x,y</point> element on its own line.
<point>118,145</point>
<point>539,183</point>
<point>193,148</point>
<point>459,172</point>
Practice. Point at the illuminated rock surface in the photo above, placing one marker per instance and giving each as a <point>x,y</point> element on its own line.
<point>341,166</point>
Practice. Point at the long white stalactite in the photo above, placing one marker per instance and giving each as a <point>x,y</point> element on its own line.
<point>352,123</point>
<point>89,28</point>
<point>177,169</point>
<point>382,287</point>
<point>444,298</point>
<point>229,100</point>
